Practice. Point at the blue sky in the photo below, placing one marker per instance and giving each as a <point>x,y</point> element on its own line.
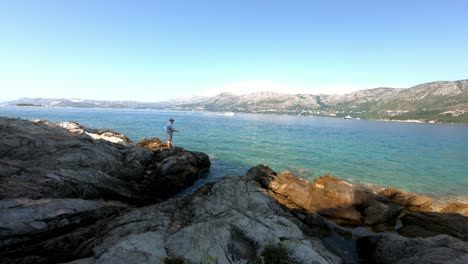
<point>157,50</point>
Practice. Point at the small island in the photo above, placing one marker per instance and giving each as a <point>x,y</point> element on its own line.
<point>30,105</point>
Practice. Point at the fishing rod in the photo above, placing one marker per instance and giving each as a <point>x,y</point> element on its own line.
<point>192,124</point>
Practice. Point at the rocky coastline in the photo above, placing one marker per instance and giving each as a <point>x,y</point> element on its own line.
<point>70,194</point>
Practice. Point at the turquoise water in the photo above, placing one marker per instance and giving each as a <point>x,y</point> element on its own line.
<point>426,158</point>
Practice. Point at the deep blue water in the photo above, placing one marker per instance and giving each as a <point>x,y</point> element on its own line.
<point>426,158</point>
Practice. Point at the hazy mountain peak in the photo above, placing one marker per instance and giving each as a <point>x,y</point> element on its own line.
<point>442,87</point>
<point>267,93</point>
<point>226,94</point>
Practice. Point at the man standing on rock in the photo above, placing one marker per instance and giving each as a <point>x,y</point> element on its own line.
<point>169,129</point>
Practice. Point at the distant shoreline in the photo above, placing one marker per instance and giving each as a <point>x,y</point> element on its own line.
<point>29,105</point>
<point>414,121</point>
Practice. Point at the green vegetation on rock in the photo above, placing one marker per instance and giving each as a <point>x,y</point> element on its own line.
<point>275,254</point>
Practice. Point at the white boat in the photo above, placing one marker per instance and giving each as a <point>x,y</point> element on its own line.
<point>229,113</point>
<point>348,117</point>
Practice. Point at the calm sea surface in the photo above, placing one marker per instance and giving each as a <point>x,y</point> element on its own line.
<point>426,158</point>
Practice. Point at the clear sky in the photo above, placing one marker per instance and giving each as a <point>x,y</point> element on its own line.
<point>157,50</point>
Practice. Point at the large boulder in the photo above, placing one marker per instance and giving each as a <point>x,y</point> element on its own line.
<point>153,144</point>
<point>380,214</point>
<point>381,209</point>
<point>57,181</point>
<point>40,160</point>
<point>344,203</point>
<point>411,201</point>
<point>229,222</point>
<point>77,129</point>
<point>456,208</point>
<point>389,249</point>
<point>174,169</point>
<point>427,224</point>
<point>49,230</point>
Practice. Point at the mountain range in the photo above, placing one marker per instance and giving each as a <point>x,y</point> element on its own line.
<point>441,102</point>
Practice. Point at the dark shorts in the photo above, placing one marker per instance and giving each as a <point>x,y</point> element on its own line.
<point>169,137</point>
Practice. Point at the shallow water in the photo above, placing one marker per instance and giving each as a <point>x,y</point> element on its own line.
<point>425,158</point>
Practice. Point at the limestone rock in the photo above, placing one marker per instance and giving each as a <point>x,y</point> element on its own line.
<point>229,222</point>
<point>380,213</point>
<point>41,225</point>
<point>342,215</point>
<point>96,134</point>
<point>153,144</point>
<point>262,174</point>
<point>456,207</point>
<point>396,249</point>
<point>426,224</point>
<point>56,178</point>
<point>411,201</point>
<point>317,224</point>
<point>41,160</point>
<point>174,169</point>
<point>327,195</point>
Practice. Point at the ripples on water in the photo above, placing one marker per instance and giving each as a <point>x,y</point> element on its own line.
<point>424,158</point>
